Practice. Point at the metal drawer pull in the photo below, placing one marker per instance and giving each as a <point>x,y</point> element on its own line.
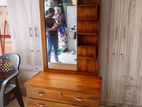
<point>79,99</point>
<point>42,105</point>
<point>41,93</point>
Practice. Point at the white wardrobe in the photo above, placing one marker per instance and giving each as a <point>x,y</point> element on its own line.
<point>121,52</point>
<point>24,16</point>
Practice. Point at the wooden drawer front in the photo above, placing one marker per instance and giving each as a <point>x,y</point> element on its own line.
<point>82,98</point>
<point>40,103</point>
<point>88,27</point>
<point>87,12</point>
<point>92,65</point>
<point>89,51</point>
<point>44,94</point>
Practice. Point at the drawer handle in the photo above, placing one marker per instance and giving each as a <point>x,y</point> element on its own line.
<point>79,99</point>
<point>41,93</point>
<point>42,105</point>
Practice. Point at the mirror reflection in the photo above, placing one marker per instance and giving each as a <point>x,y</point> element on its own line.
<point>61,22</point>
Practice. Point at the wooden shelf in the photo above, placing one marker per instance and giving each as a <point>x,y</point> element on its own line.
<point>86,5</point>
<point>88,19</point>
<point>87,51</point>
<point>86,40</point>
<point>88,34</point>
<point>88,26</point>
<point>85,46</point>
<point>88,2</point>
<point>86,58</point>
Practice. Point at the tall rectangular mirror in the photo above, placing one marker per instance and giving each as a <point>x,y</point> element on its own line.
<point>61,36</point>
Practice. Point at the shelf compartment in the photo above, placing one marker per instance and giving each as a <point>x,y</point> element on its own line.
<point>87,51</point>
<point>87,12</point>
<point>88,26</point>
<point>88,19</point>
<point>81,2</point>
<point>87,40</point>
<point>88,65</point>
<point>87,34</point>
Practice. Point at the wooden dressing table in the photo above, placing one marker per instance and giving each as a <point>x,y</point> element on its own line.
<point>52,89</point>
<point>81,88</point>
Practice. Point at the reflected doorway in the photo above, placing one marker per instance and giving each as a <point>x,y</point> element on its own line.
<point>66,19</point>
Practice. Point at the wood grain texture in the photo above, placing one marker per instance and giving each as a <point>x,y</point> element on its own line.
<point>43,33</point>
<point>40,103</point>
<point>120,52</point>
<point>61,88</point>
<point>82,2</point>
<point>88,25</point>
<point>88,12</point>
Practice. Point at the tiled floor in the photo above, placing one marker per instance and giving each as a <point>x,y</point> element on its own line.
<point>66,57</point>
<point>14,103</point>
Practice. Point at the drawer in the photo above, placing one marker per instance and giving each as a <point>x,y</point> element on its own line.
<point>43,94</point>
<point>40,103</point>
<point>81,98</point>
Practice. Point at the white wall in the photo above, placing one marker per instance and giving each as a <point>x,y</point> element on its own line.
<point>71,21</point>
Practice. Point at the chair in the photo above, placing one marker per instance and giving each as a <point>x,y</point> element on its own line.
<point>9,70</point>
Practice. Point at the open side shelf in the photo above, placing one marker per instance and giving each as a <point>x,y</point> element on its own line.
<point>88,35</point>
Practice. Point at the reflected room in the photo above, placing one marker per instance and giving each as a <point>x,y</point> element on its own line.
<point>61,37</point>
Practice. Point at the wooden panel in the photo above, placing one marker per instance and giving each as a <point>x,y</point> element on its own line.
<point>88,2</point>
<point>88,27</point>
<point>76,95</point>
<point>40,103</point>
<point>53,86</point>
<point>42,93</point>
<point>87,12</point>
<point>88,64</point>
<point>89,51</point>
<point>61,66</point>
<point>59,80</point>
<point>87,40</point>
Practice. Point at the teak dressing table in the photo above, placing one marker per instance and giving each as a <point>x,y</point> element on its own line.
<point>63,88</point>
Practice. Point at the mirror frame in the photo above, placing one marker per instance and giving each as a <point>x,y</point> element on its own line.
<point>43,37</point>
<point>43,33</point>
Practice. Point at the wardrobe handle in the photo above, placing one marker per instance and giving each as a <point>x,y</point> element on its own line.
<point>36,32</point>
<point>30,31</point>
<point>116,32</point>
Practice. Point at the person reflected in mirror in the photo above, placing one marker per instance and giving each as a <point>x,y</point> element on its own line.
<point>51,34</point>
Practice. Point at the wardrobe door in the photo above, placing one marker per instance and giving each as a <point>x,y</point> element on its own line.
<point>122,79</point>
<point>25,27</point>
<point>37,33</point>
